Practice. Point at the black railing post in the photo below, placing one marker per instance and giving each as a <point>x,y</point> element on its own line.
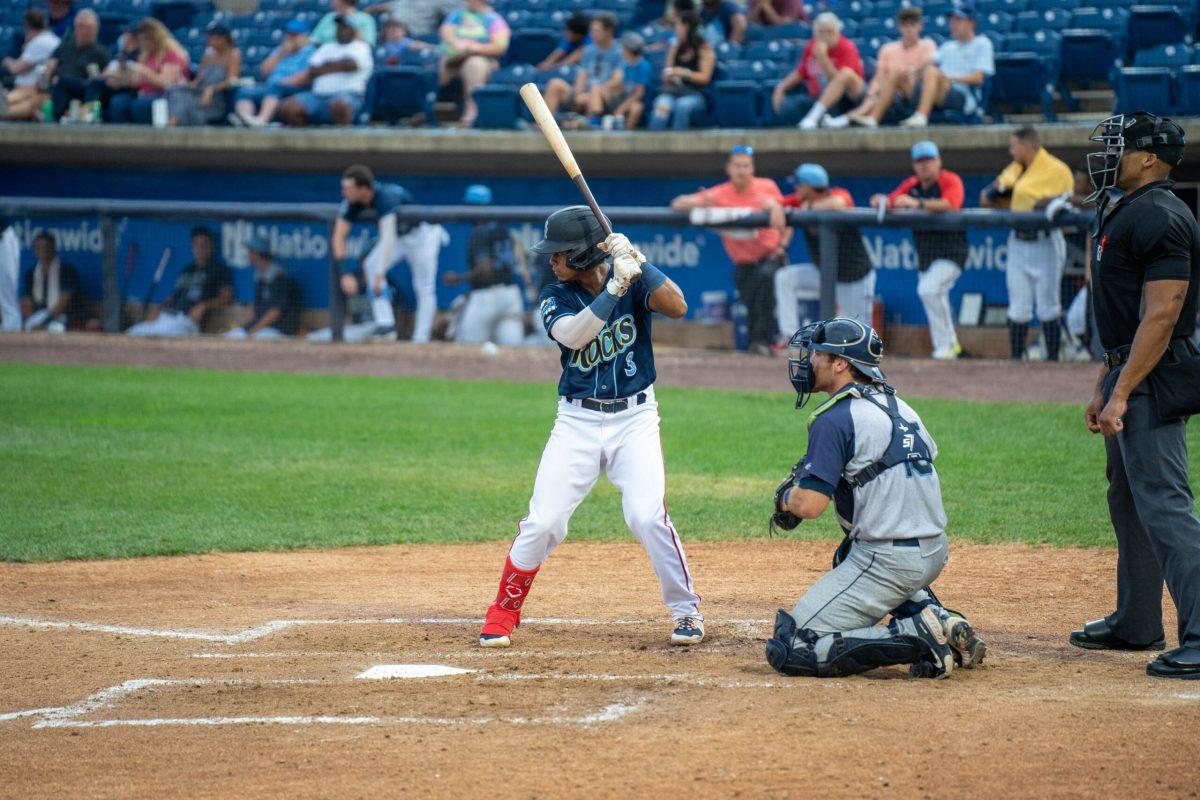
<point>827,237</point>
<point>111,283</point>
<point>337,303</point>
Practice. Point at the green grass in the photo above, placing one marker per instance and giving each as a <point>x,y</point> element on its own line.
<point>109,462</point>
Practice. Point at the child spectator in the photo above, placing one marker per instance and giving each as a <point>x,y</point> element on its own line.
<point>575,38</point>
<point>397,42</point>
<point>636,82</point>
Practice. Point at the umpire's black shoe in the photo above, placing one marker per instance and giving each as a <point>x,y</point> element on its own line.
<point>1182,662</point>
<point>1096,635</point>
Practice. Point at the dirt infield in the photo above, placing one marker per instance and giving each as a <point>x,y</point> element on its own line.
<point>234,675</point>
<point>968,379</point>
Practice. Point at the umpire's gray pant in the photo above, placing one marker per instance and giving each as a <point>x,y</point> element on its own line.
<point>1158,533</point>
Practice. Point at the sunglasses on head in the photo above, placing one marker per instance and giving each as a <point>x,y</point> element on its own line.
<point>742,150</point>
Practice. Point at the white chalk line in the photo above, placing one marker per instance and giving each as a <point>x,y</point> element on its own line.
<point>467,652</point>
<point>274,626</point>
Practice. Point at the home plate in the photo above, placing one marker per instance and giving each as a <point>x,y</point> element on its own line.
<point>385,671</point>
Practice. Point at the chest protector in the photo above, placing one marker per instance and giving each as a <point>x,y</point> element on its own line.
<point>906,447</point>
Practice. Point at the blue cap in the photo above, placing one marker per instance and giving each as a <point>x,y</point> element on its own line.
<point>926,149</point>
<point>813,175</point>
<point>259,244</point>
<point>478,195</point>
<point>296,26</point>
<point>964,9</point>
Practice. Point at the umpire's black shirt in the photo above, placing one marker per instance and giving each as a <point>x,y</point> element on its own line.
<point>1148,235</point>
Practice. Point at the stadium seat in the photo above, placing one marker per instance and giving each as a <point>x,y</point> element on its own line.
<point>888,8</point>
<point>531,45</point>
<point>111,27</point>
<point>514,75</point>
<point>1032,21</point>
<point>498,106</point>
<point>985,7</point>
<point>1108,18</point>
<point>792,31</point>
<point>770,51</point>
<point>400,92</point>
<point>1143,87</point>
<point>1165,55</point>
<point>1088,55</point>
<point>756,71</point>
<point>936,7</point>
<point>728,51</point>
<point>174,13</point>
<point>1023,79</point>
<point>735,104</point>
<point>1000,21</point>
<point>1047,44</point>
<point>1053,5</point>
<point>1187,90</point>
<point>1155,25</point>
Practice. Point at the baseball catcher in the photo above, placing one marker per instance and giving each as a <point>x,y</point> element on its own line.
<point>870,454</point>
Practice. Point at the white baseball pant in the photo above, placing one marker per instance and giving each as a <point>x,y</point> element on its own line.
<point>626,446</point>
<point>1077,314</point>
<point>495,314</point>
<point>262,333</point>
<point>167,324</point>
<point>933,287</point>
<point>10,275</point>
<point>420,248</point>
<point>1034,277</point>
<point>794,283</point>
<point>856,299</point>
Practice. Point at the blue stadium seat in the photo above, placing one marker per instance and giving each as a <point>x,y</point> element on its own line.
<point>935,7</point>
<point>792,30</point>
<point>1155,25</point>
<point>514,75</point>
<point>531,45</point>
<point>1023,79</point>
<point>1143,87</point>
<point>1053,5</point>
<point>400,92</point>
<point>1112,19</point>
<point>1187,85</point>
<point>1000,21</point>
<point>565,73</point>
<point>1047,44</point>
<point>889,8</point>
<point>770,51</point>
<point>735,104</point>
<point>728,51</point>
<point>743,71</point>
<point>517,18</point>
<point>111,27</point>
<point>1031,21</point>
<point>1165,55</point>
<point>1088,55</point>
<point>498,106</point>
<point>175,13</point>
<point>984,7</point>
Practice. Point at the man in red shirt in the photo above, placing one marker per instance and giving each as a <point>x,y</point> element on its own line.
<point>756,253</point>
<point>940,254</point>
<point>854,270</point>
<point>831,71</point>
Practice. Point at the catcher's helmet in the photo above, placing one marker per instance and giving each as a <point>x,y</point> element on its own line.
<point>1140,130</point>
<point>573,230</point>
<point>848,338</point>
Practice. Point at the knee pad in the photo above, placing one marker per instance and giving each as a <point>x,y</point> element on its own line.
<point>852,656</point>
<point>788,656</point>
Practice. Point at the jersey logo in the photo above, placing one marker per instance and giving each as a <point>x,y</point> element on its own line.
<point>549,305</point>
<point>630,367</point>
<point>608,344</point>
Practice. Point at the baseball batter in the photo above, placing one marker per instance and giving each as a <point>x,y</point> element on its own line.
<point>600,317</point>
<point>870,454</point>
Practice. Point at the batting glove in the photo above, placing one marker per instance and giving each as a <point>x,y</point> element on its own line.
<point>627,269</point>
<point>618,245</point>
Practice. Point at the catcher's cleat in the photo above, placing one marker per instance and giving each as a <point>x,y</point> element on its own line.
<point>938,660</point>
<point>688,630</point>
<point>969,649</point>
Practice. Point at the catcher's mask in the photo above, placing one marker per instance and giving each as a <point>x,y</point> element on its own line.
<point>573,230</point>
<point>847,338</point>
<point>1140,130</point>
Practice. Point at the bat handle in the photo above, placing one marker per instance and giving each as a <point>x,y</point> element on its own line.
<point>592,204</point>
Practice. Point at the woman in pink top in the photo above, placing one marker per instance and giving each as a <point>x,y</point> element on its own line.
<point>162,62</point>
<point>896,73</point>
<point>831,70</point>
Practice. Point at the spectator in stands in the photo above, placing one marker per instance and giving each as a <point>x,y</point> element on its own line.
<point>963,63</point>
<point>898,65</point>
<point>337,76</point>
<point>422,17</point>
<point>363,23</point>
<point>51,294</point>
<point>941,255</point>
<point>598,82</point>
<point>777,12</point>
<point>397,41</point>
<point>10,276</point>
<point>28,69</point>
<point>201,101</point>
<point>722,21</point>
<point>1036,259</point>
<point>474,38</point>
<point>570,49</point>
<point>494,311</point>
<point>636,80</point>
<point>204,287</point>
<point>62,17</point>
<point>118,77</point>
<point>76,62</point>
<point>855,273</point>
<point>686,75</point>
<point>831,70</point>
<point>756,254</point>
<point>283,73</point>
<point>161,62</point>
<point>276,297</point>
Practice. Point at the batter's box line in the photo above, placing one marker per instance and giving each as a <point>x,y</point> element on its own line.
<point>68,716</point>
<point>274,626</point>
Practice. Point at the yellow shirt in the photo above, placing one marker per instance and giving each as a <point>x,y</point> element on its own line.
<point>1046,176</point>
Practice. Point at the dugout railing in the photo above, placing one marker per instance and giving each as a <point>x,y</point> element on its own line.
<point>112,225</point>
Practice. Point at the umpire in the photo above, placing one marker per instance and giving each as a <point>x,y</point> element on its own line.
<point>1145,278</point>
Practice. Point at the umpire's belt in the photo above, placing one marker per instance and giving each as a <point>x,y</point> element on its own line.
<point>1031,236</point>
<point>1117,357</point>
<point>608,406</point>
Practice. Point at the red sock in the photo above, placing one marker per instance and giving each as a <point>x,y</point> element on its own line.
<point>505,613</point>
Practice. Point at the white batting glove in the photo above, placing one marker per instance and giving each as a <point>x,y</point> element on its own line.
<point>1056,205</point>
<point>618,245</point>
<point>617,286</point>
<point>627,269</point>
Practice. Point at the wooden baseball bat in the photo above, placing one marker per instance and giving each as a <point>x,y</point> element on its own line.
<point>545,120</point>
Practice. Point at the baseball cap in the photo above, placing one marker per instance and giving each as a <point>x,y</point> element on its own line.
<point>259,244</point>
<point>964,9</point>
<point>1159,135</point>
<point>926,149</point>
<point>813,175</point>
<point>741,150</point>
<point>296,26</point>
<point>633,42</point>
<point>478,195</point>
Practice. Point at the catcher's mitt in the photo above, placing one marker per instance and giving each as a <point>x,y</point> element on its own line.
<point>782,518</point>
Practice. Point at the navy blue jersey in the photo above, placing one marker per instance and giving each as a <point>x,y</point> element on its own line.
<point>388,197</point>
<point>619,362</point>
<point>276,289</point>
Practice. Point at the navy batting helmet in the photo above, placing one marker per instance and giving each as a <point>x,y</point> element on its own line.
<point>573,230</point>
<point>847,338</point>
